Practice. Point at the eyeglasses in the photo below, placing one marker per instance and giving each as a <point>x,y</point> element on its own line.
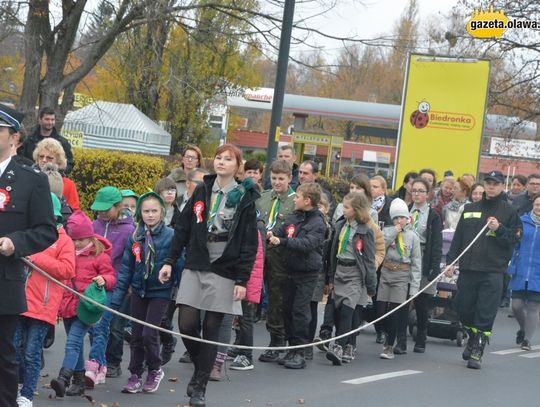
<point>45,157</point>
<point>191,157</point>
<point>535,184</point>
<point>171,190</point>
<point>418,191</point>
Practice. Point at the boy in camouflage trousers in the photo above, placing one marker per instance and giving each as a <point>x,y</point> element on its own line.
<point>274,205</point>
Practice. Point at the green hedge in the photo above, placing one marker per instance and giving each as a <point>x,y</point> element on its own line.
<point>97,168</point>
<point>339,187</point>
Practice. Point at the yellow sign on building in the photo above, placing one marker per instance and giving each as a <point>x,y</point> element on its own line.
<point>75,137</point>
<point>442,116</point>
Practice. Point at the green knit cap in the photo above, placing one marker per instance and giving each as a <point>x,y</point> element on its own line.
<point>144,197</point>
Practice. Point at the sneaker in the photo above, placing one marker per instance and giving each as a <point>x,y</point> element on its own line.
<point>91,368</point>
<point>185,358</point>
<point>308,353</point>
<point>387,353</point>
<point>232,353</point>
<point>335,354</point>
<point>101,375</point>
<point>526,345</point>
<point>113,371</point>
<point>323,335</point>
<point>24,402</point>
<point>152,380</point>
<point>381,337</point>
<point>134,385</point>
<point>241,362</point>
<point>349,353</point>
<point>520,336</point>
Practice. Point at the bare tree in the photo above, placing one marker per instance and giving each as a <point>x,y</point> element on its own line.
<point>52,28</point>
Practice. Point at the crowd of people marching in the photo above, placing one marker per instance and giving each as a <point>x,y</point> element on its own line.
<point>225,246</point>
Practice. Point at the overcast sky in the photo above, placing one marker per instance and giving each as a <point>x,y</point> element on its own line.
<point>365,19</point>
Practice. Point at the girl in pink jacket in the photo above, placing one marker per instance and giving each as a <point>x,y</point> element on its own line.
<point>43,299</point>
<point>244,357</point>
<point>93,266</point>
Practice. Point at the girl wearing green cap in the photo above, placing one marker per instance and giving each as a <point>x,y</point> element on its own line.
<point>115,225</point>
<point>144,255</point>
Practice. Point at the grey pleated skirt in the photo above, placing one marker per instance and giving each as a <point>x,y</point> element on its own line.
<point>349,289</point>
<point>208,291</point>
<point>393,285</point>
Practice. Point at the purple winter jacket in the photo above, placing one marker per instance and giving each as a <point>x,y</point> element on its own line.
<point>117,233</point>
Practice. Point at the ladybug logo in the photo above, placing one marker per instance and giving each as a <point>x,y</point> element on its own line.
<point>359,245</point>
<point>290,231</point>
<point>420,117</point>
<point>198,209</point>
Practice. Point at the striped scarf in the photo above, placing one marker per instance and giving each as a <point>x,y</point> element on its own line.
<point>149,254</point>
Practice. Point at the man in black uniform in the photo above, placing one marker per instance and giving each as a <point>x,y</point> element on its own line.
<point>26,227</point>
<point>46,128</point>
<point>482,268</point>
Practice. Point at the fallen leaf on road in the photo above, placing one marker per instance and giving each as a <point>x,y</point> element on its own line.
<point>173,379</point>
<point>301,401</point>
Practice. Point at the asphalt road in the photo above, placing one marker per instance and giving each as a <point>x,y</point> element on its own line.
<point>437,378</point>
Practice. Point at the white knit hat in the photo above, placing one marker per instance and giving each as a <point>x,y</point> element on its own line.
<point>398,207</point>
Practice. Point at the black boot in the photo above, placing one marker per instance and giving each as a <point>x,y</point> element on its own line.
<point>77,384</point>
<point>197,399</point>
<point>167,350</point>
<point>466,355</point>
<point>401,346</point>
<point>420,344</point>
<point>60,384</point>
<point>270,355</point>
<point>480,342</point>
<point>297,361</point>
<point>191,385</point>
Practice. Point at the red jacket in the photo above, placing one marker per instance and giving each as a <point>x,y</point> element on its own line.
<point>254,284</point>
<point>88,266</point>
<point>43,297</point>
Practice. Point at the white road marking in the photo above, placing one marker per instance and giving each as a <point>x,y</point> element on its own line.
<point>514,350</point>
<point>383,376</point>
<point>530,355</point>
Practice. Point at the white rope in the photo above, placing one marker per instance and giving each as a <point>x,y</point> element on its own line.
<point>278,348</point>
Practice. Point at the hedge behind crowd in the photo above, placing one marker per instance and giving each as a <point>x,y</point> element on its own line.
<point>97,168</point>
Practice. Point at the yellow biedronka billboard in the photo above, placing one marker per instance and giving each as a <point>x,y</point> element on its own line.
<point>442,116</point>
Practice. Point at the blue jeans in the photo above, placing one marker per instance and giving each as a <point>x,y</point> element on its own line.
<point>30,332</point>
<point>76,330</point>
<point>99,335</point>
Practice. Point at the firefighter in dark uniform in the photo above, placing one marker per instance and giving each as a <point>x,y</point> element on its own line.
<point>482,268</point>
<point>26,227</point>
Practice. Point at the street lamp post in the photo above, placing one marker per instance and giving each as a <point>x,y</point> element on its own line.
<point>281,77</point>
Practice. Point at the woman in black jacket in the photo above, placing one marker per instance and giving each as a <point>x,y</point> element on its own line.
<point>428,226</point>
<point>219,228</point>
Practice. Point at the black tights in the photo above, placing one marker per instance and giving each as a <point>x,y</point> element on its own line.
<point>390,322</point>
<point>189,323</point>
<point>343,317</point>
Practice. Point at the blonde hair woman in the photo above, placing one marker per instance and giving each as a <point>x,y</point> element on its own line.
<point>50,150</point>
